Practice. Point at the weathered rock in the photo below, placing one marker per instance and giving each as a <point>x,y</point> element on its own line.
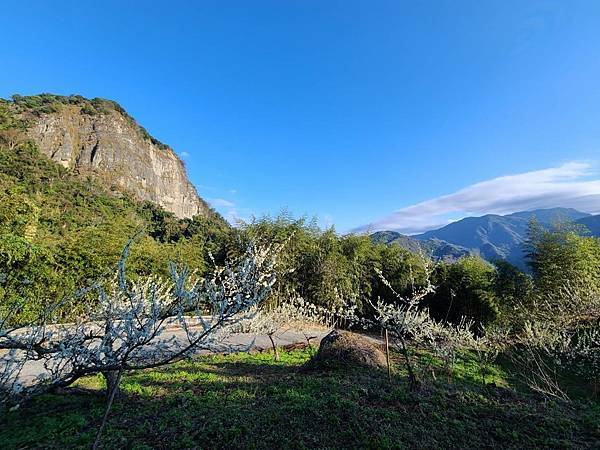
<point>115,148</point>
<point>343,348</point>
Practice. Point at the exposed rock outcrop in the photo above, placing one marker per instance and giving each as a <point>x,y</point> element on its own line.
<point>109,143</point>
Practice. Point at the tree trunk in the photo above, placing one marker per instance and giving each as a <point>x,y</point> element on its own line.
<point>112,378</point>
<point>412,376</point>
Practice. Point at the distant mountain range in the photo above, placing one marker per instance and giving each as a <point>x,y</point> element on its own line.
<point>491,236</point>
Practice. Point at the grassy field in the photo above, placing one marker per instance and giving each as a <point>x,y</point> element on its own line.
<point>251,401</point>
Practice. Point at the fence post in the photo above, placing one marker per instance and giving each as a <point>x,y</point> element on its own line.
<point>387,354</point>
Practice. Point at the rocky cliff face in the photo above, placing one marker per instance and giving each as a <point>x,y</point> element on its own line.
<point>109,143</point>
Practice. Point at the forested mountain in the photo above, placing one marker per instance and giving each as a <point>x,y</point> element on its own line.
<point>491,236</point>
<point>436,248</point>
<point>592,223</point>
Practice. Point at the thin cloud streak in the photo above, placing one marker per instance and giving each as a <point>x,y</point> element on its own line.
<point>572,185</point>
<point>221,203</point>
<point>230,211</point>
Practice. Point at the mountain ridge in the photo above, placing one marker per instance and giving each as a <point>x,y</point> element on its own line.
<point>492,236</point>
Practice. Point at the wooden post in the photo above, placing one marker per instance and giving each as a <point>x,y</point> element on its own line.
<point>275,351</point>
<point>387,354</point>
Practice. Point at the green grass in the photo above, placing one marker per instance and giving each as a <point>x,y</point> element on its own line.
<point>251,401</point>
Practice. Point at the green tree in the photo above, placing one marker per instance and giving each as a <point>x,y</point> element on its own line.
<point>464,289</point>
<point>561,257</point>
<point>513,289</point>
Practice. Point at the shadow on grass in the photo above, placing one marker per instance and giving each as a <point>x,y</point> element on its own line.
<point>250,401</point>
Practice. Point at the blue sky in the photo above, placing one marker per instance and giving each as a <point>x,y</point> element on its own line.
<point>366,114</point>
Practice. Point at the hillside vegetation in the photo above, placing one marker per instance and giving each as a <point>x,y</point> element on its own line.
<point>59,231</point>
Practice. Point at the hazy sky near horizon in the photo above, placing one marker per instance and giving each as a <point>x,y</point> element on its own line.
<point>367,114</point>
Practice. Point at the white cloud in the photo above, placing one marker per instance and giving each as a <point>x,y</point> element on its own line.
<point>221,203</point>
<point>234,218</point>
<point>184,155</point>
<point>573,185</point>
<point>230,211</point>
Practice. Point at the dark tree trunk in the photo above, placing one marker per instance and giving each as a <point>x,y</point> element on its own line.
<point>112,378</point>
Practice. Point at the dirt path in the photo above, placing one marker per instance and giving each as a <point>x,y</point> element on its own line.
<point>34,369</point>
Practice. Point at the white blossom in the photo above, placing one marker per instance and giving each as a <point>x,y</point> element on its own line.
<point>126,327</point>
